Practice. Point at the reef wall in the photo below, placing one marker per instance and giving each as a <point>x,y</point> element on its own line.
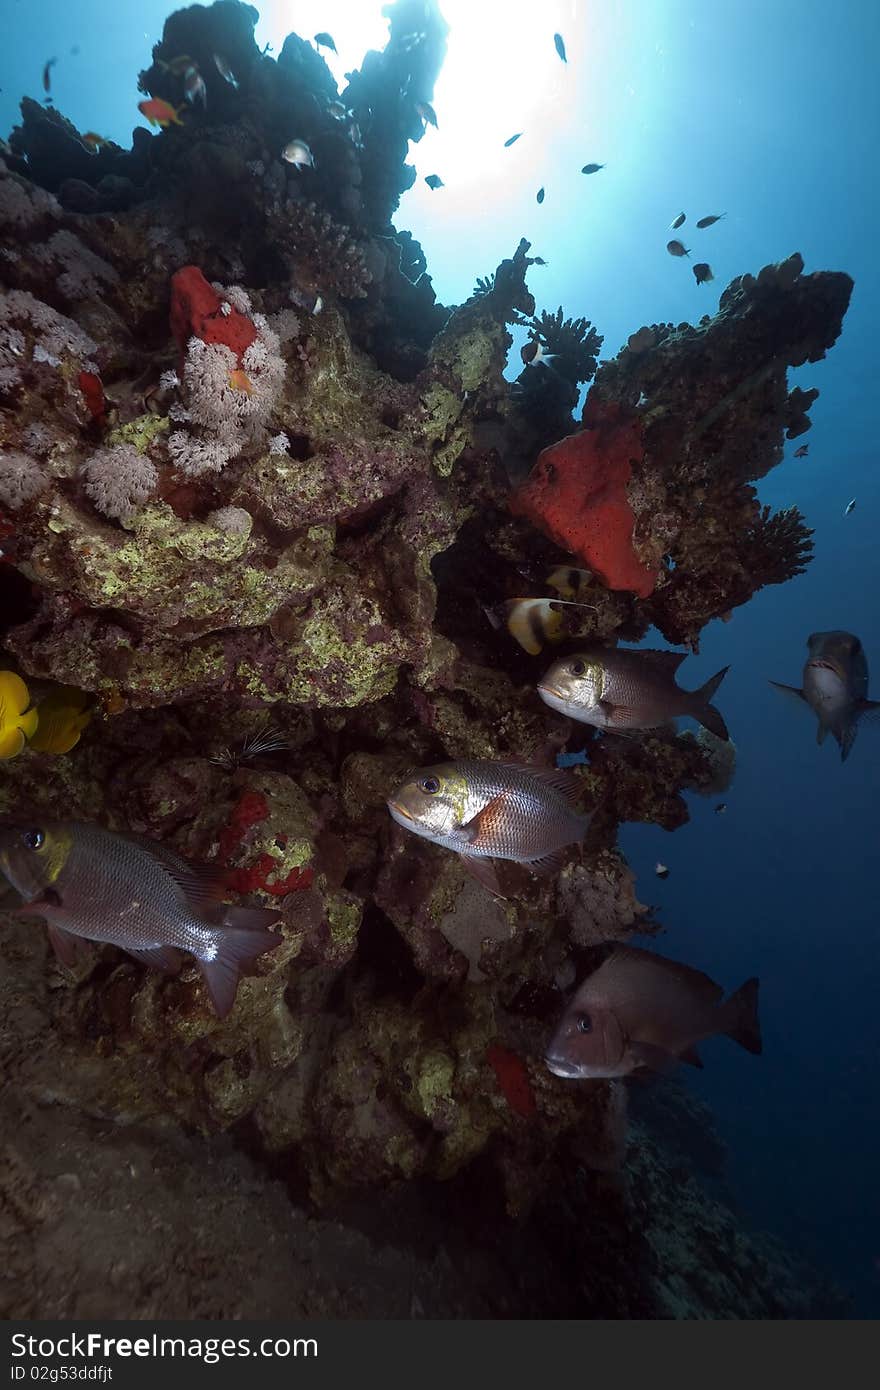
<point>251,470</point>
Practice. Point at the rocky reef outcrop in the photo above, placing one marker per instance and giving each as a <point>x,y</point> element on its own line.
<point>257,490</point>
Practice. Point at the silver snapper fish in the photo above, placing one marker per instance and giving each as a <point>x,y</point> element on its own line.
<point>615,689</point>
<point>835,686</point>
<point>486,810</point>
<point>133,893</point>
<point>642,1010</point>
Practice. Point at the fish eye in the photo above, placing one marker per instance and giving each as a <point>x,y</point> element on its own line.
<point>431,785</point>
<point>584,1023</point>
<point>32,839</point>
<point>577,668</point>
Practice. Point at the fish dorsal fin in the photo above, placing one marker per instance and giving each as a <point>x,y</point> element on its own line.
<point>633,960</point>
<point>562,781</point>
<point>203,885</point>
<point>664,661</point>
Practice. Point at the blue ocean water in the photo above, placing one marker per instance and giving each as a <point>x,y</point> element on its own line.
<point>769,114</point>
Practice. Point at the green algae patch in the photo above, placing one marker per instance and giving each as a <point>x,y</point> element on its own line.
<point>141,432</point>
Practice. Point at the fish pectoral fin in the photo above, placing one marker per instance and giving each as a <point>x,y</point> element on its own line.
<point>481,826</point>
<point>483,870</point>
<point>159,958</point>
<point>619,714</point>
<point>64,944</point>
<point>790,690</point>
<point>692,1056</point>
<point>657,1058</point>
<point>821,733</point>
<point>548,864</point>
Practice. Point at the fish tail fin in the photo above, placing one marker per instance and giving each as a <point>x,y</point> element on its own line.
<point>742,1013</point>
<point>237,946</point>
<point>705,712</point>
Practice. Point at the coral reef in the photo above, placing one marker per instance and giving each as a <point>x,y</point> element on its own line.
<point>251,470</point>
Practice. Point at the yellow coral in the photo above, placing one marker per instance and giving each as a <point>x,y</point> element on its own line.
<point>17,722</point>
<point>63,715</point>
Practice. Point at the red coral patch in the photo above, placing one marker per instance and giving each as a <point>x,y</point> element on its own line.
<point>258,875</point>
<point>513,1080</point>
<point>250,809</point>
<point>576,495</point>
<point>195,312</point>
<point>91,387</point>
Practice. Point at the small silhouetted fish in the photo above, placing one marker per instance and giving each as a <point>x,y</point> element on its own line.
<point>592,168</point>
<point>721,808</point>
<point>486,810</point>
<point>134,893</point>
<point>708,221</point>
<point>680,219</point>
<point>850,506</point>
<point>802,452</point>
<point>325,41</point>
<point>661,870</point>
<point>539,197</point>
<point>225,70</point>
<point>427,112</point>
<point>93,141</point>
<point>612,688</point>
<point>538,260</point>
<point>642,1010</point>
<point>434,181</point>
<point>513,139</point>
<point>559,44</point>
<point>835,686</point>
<point>297,153</point>
<point>47,74</point>
<point>677,248</point>
<point>702,272</point>
<point>194,88</point>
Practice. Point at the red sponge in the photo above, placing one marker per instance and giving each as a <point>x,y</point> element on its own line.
<point>195,312</point>
<point>576,495</point>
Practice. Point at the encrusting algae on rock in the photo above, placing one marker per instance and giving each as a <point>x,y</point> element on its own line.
<point>251,469</point>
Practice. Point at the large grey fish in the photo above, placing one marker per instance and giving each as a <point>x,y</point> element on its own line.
<point>486,810</point>
<point>136,894</point>
<point>835,686</point>
<point>615,689</point>
<point>641,1010</point>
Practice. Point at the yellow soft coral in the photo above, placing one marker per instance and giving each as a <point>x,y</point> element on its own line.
<point>64,713</point>
<point>17,722</point>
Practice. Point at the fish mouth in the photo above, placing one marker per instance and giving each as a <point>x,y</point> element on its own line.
<point>560,1066</point>
<point>397,810</point>
<point>553,690</point>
